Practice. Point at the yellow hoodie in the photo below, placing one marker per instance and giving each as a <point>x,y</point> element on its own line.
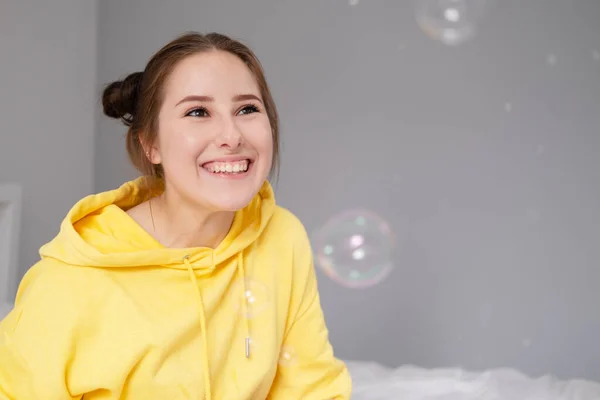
<point>110,313</point>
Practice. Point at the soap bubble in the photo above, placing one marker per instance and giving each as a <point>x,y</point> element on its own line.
<point>551,59</point>
<point>355,249</point>
<point>288,356</point>
<point>451,22</point>
<point>256,297</point>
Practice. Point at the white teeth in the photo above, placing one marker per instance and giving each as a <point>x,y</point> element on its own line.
<point>233,167</point>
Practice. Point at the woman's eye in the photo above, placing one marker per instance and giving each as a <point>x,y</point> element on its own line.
<point>198,112</point>
<point>248,110</point>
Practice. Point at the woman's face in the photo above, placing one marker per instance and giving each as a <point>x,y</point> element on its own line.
<point>214,137</point>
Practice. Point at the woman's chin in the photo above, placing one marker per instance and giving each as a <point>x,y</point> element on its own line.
<point>221,195</point>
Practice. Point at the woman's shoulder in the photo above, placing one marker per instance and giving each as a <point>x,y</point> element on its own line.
<point>287,223</point>
<point>51,284</point>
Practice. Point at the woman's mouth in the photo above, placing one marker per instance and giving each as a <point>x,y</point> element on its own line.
<point>228,168</point>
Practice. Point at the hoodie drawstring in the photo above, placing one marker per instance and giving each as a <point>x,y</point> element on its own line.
<point>242,277</point>
<point>203,331</point>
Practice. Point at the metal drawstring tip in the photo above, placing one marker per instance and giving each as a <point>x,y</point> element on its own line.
<point>247,347</point>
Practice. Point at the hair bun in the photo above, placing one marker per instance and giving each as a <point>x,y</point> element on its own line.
<point>119,99</point>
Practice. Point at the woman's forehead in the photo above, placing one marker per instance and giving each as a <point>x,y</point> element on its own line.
<point>213,74</point>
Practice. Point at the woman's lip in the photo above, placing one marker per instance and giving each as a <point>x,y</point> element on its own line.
<point>231,159</point>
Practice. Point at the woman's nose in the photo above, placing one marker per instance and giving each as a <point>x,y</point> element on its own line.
<point>230,136</point>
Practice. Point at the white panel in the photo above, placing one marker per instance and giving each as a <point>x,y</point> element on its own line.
<point>5,308</point>
<point>10,228</point>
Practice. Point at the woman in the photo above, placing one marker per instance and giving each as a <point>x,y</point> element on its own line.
<point>186,283</point>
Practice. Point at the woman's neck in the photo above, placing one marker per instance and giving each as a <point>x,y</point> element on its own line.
<point>178,224</point>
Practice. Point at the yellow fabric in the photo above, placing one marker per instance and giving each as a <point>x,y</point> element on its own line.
<point>110,313</point>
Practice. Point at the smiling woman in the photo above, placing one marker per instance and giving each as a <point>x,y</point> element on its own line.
<point>188,282</point>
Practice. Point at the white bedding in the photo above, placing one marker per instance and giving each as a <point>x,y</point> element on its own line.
<point>372,381</point>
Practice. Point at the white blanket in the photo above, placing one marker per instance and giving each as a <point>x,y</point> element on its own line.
<point>372,381</point>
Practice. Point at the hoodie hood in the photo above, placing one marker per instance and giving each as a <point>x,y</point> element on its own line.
<point>97,232</point>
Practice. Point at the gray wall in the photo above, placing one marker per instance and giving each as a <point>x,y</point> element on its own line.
<point>47,103</point>
<point>496,211</point>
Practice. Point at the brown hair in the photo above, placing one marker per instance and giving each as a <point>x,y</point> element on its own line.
<point>137,99</point>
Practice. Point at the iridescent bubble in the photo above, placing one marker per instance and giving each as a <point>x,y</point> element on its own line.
<point>551,59</point>
<point>288,356</point>
<point>451,22</point>
<point>256,298</point>
<point>355,248</point>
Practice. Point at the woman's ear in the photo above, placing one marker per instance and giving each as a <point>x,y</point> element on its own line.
<point>151,151</point>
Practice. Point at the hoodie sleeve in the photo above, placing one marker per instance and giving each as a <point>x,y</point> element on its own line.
<point>35,345</point>
<point>308,369</point>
